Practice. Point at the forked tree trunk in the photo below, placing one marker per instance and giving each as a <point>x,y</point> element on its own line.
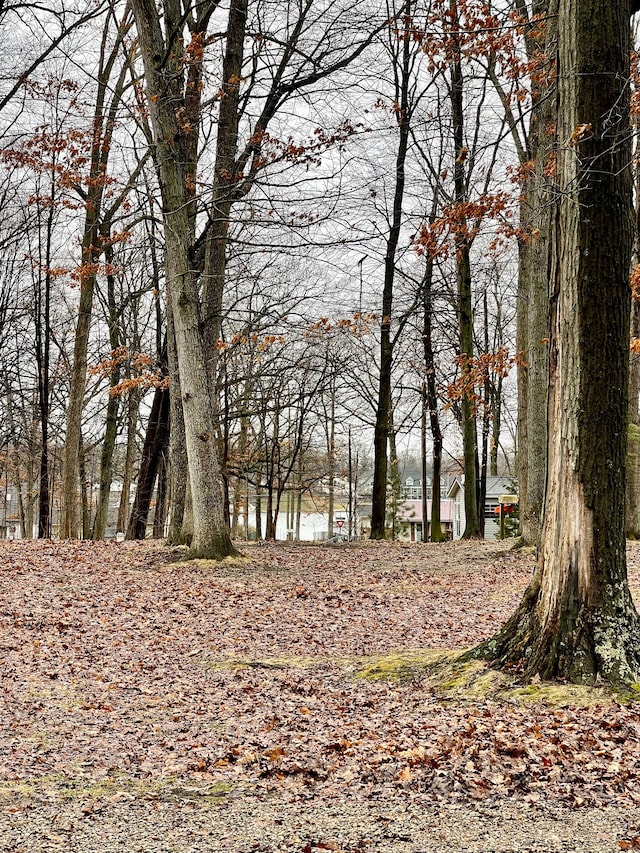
<point>577,620</point>
<point>175,159</point>
<point>155,446</point>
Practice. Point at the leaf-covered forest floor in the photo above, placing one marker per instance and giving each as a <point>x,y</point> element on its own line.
<point>282,703</point>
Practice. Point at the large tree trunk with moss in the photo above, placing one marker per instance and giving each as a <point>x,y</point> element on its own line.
<point>577,620</point>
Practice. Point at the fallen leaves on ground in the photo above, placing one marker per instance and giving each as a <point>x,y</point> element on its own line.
<point>126,675</point>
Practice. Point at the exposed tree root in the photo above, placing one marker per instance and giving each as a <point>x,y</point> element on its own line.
<point>584,646</point>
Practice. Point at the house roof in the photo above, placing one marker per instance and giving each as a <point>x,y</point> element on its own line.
<point>496,486</point>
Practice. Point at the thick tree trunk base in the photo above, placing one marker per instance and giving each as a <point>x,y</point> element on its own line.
<point>594,645</point>
<point>218,549</point>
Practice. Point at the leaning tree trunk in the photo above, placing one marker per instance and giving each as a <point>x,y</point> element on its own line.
<point>155,445</point>
<point>577,620</point>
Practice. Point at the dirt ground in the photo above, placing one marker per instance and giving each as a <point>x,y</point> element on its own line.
<point>288,702</point>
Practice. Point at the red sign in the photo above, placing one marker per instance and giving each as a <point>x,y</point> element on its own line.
<point>340,522</point>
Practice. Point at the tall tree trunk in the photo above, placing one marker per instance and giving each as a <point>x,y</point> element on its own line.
<point>178,463</point>
<point>113,405</point>
<point>384,403</point>
<point>632,503</point>
<point>133,407</point>
<point>430,404</point>
<point>536,208</point>
<point>464,291</point>
<point>43,350</point>
<point>196,364</point>
<point>160,514</point>
<point>91,250</point>
<point>577,619</point>
<point>496,426</point>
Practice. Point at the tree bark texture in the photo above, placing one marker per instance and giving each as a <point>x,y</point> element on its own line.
<point>577,620</point>
<point>533,277</point>
<point>173,137</point>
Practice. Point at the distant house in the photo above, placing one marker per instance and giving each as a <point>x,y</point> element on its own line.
<point>409,520</point>
<point>496,488</point>
<point>407,524</point>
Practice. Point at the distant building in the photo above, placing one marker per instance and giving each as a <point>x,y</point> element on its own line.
<point>496,488</point>
<point>409,526</point>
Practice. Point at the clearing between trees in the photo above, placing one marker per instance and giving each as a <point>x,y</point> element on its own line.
<point>303,698</point>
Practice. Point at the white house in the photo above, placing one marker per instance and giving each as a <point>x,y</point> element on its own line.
<point>497,487</point>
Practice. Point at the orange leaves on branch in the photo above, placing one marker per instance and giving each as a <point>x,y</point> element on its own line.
<point>461,222</point>
<point>476,371</point>
<point>144,376</point>
<point>358,325</point>
<point>89,270</point>
<point>635,88</point>
<point>257,342</point>
<point>470,29</point>
<point>580,133</point>
<point>268,149</point>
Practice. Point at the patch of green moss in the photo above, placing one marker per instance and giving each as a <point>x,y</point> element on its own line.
<point>562,695</point>
<point>401,666</point>
<point>170,788</point>
<point>267,663</point>
<point>451,677</point>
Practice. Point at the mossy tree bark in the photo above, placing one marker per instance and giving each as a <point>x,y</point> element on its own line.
<point>577,619</point>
